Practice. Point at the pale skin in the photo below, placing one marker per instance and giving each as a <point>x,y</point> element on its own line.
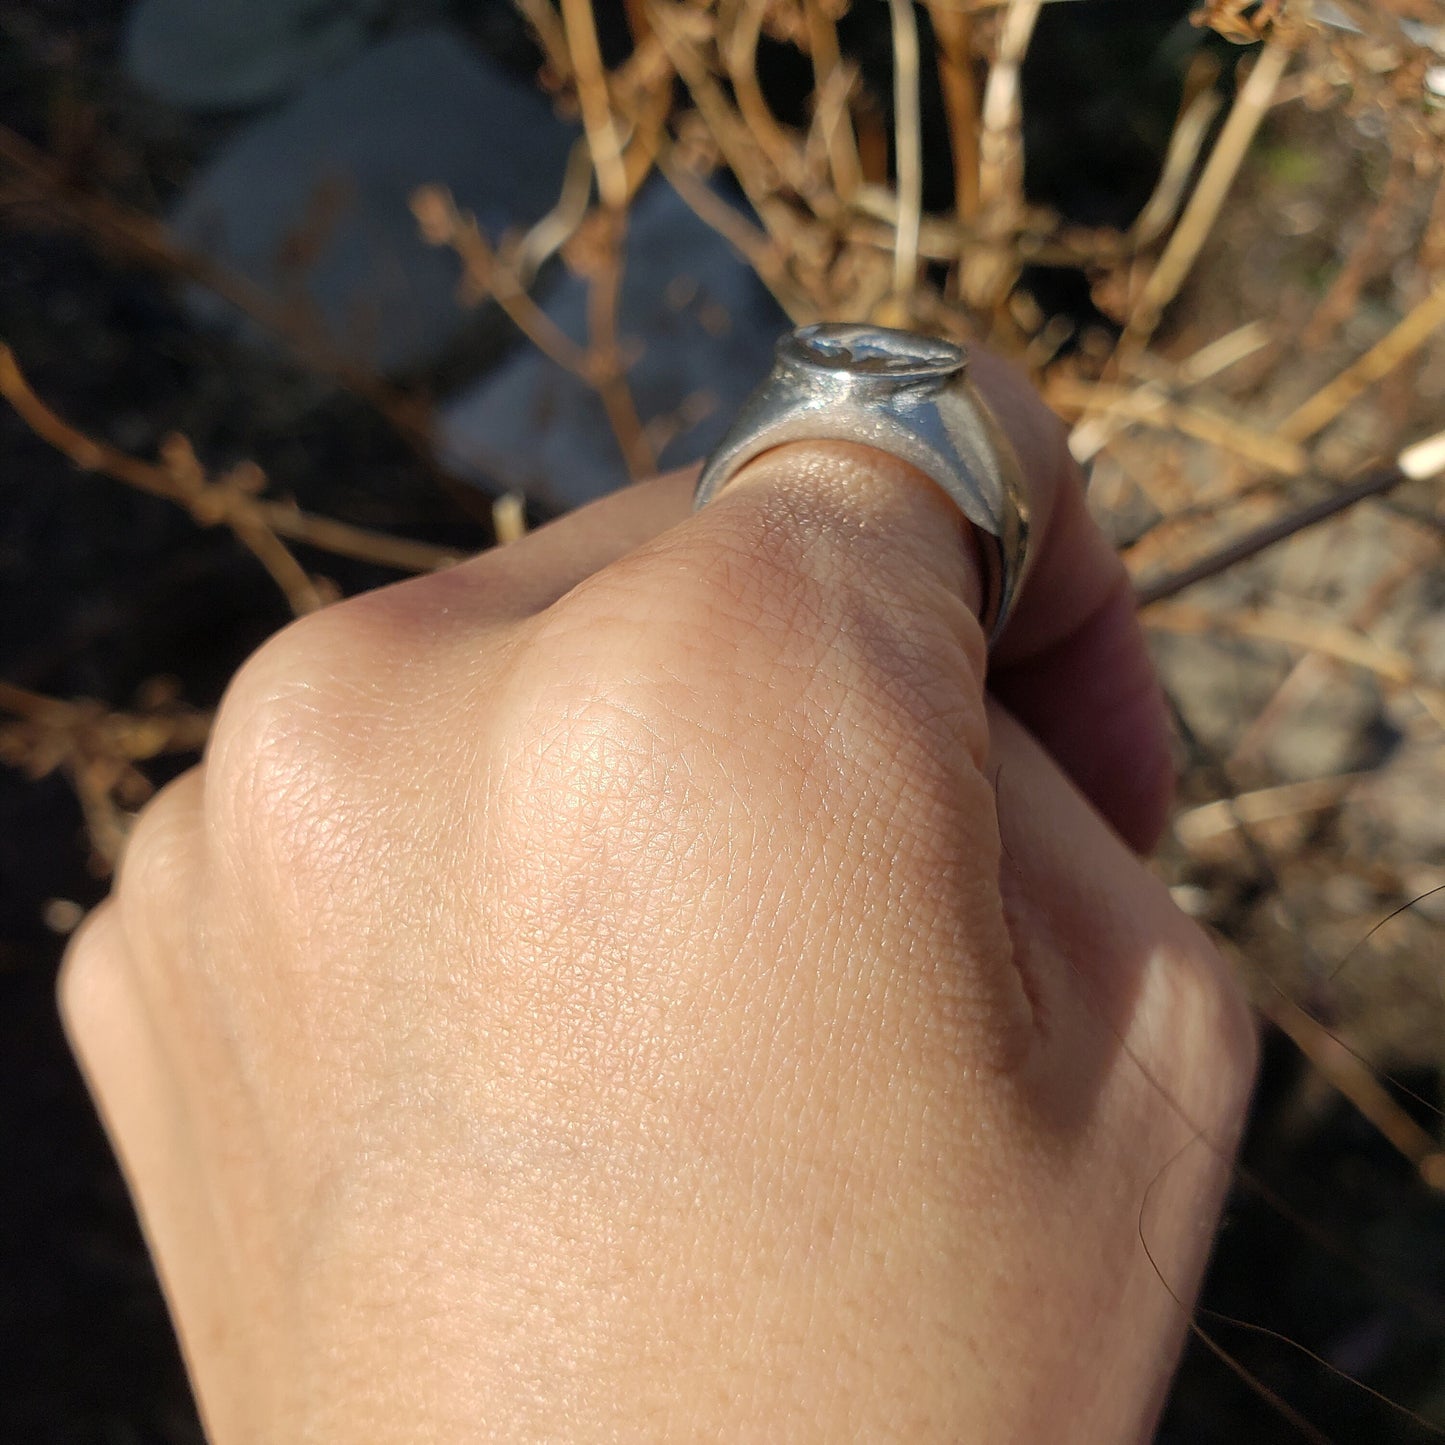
<point>641,985</point>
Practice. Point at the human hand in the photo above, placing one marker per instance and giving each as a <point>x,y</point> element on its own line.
<point>636,984</point>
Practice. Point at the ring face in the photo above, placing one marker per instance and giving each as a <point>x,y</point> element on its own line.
<point>905,394</point>
<point>872,351</point>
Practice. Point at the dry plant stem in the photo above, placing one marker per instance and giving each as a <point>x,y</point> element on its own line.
<point>488,275</point>
<point>740,54</point>
<point>1147,406</point>
<point>509,518</point>
<point>208,502</point>
<point>1406,338</point>
<point>1197,220</point>
<point>908,145</point>
<point>580,28</point>
<point>1344,293</point>
<point>1353,1078</point>
<point>215,502</point>
<point>544,239</point>
<point>828,76</point>
<point>954,33</point>
<point>1001,152</point>
<point>760,251</point>
<point>547,28</point>
<point>1264,805</point>
<point>987,273</point>
<point>144,241</point>
<point>832,133</point>
<point>136,737</point>
<point>1179,160</point>
<point>1222,353</point>
<point>739,150</point>
<point>609,375</point>
<point>603,365</point>
<point>1312,634</point>
<point>1305,677</point>
<point>97,750</point>
<point>1376,484</point>
<point>649,116</point>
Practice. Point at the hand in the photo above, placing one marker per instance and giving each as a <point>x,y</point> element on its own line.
<point>638,985</point>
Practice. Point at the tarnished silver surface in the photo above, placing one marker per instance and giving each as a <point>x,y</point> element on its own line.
<point>908,395</point>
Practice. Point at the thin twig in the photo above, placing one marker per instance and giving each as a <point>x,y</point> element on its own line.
<point>760,251</point>
<point>1313,634</point>
<point>1222,816</point>
<point>1197,220</point>
<point>740,54</point>
<point>830,76</point>
<point>1402,341</point>
<point>580,27</point>
<point>908,144</point>
<point>1180,158</point>
<point>1375,484</point>
<point>1353,1078</point>
<point>228,500</point>
<point>1147,406</point>
<point>988,270</point>
<point>98,750</point>
<point>442,224</point>
<point>954,33</point>
<point>604,294</point>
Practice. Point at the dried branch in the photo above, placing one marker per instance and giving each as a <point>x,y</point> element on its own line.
<point>760,251</point>
<point>486,274</point>
<point>908,145</point>
<point>1183,247</point>
<point>954,33</point>
<point>1148,406</point>
<point>579,27</point>
<point>604,295</point>
<point>740,54</point>
<point>988,271</point>
<point>1185,143</point>
<point>1354,1079</point>
<point>832,84</point>
<point>231,499</point>
<point>98,750</point>
<point>1314,634</point>
<point>1403,340</point>
<point>1376,484</point>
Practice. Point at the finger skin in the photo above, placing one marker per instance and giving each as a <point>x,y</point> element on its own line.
<point>1072,664</point>
<point>636,985</point>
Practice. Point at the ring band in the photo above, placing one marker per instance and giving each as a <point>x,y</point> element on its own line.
<point>905,394</point>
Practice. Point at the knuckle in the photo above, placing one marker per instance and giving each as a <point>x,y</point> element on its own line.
<point>781,597</point>
<point>161,849</point>
<point>88,972</point>
<point>1206,1030</point>
<point>293,724</point>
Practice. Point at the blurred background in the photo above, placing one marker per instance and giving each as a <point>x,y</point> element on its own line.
<point>300,296</point>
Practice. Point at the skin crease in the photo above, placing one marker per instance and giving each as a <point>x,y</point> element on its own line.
<point>638,984</point>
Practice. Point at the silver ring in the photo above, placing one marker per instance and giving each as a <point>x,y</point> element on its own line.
<point>905,394</point>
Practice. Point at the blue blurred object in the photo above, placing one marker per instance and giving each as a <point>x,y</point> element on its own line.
<point>311,201</point>
<point>702,327</point>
